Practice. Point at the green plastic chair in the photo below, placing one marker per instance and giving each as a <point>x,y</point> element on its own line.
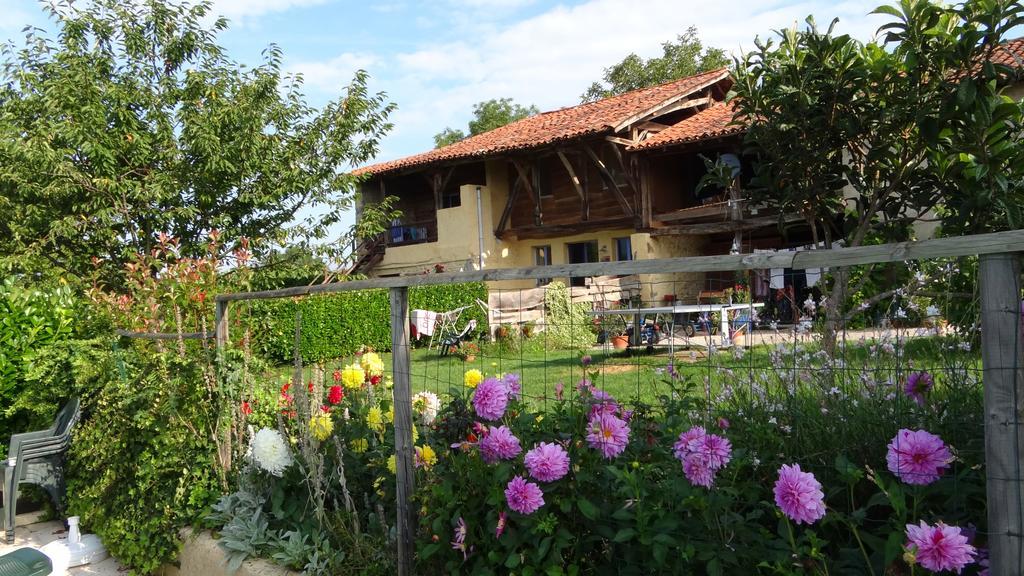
<point>25,562</point>
<point>38,458</point>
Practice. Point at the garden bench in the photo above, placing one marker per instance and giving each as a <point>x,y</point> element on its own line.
<point>38,458</point>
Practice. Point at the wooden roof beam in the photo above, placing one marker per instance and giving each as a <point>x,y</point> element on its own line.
<point>647,114</point>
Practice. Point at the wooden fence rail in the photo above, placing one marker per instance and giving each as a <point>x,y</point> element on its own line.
<point>1000,290</point>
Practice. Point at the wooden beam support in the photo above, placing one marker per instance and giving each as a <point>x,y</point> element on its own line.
<point>721,227</point>
<point>507,212</point>
<point>524,177</point>
<point>651,126</point>
<point>571,172</point>
<point>622,141</point>
<point>551,231</point>
<point>646,207</point>
<point>693,103</point>
<point>610,181</point>
<point>220,323</point>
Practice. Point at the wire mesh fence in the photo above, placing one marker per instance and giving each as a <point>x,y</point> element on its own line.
<point>869,377</point>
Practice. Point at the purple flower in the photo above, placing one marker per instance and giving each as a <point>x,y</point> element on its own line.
<point>512,385</point>
<point>723,423</point>
<point>559,391</point>
<point>586,360</point>
<point>939,547</point>
<point>608,433</point>
<point>702,455</point>
<point>918,385</point>
<point>460,537</point>
<point>547,462</point>
<point>490,399</point>
<point>798,494</point>
<point>917,456</point>
<point>499,444</point>
<point>522,496</point>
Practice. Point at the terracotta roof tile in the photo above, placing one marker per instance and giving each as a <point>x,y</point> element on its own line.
<point>1011,54</point>
<point>714,121</point>
<point>555,126</point>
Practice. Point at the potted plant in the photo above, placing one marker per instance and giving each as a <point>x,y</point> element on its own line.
<point>467,351</point>
<point>502,332</point>
<point>528,329</point>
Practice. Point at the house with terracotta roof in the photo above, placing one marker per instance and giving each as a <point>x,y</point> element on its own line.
<point>615,179</point>
<point>609,180</point>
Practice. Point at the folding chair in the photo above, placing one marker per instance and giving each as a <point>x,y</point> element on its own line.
<point>446,322</point>
<point>38,458</point>
<point>447,342</point>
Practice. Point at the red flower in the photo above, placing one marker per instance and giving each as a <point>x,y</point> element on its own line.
<point>374,380</point>
<point>335,395</point>
<point>284,389</point>
<point>246,408</point>
<point>310,386</point>
<point>324,408</point>
<point>471,437</point>
<point>337,375</point>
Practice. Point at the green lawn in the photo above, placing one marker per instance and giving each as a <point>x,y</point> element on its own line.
<point>640,376</point>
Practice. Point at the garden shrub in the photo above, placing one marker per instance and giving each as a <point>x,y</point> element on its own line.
<point>567,325</point>
<point>32,320</point>
<point>143,461</point>
<point>336,325</point>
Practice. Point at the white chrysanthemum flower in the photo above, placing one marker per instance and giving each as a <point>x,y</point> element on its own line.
<point>269,451</point>
<point>426,404</point>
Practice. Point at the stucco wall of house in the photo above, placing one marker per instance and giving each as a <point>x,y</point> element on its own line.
<point>684,285</point>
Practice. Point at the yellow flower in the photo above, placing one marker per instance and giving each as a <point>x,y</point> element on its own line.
<point>321,425</point>
<point>352,376</point>
<point>372,364</point>
<point>427,455</point>
<point>472,378</point>
<point>393,464</point>
<point>391,414</point>
<point>359,445</point>
<point>415,434</point>
<point>375,419</point>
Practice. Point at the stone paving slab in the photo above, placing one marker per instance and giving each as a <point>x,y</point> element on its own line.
<point>30,530</point>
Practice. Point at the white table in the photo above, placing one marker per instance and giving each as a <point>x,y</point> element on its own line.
<point>638,314</point>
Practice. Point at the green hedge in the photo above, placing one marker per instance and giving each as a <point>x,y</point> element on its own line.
<point>336,325</point>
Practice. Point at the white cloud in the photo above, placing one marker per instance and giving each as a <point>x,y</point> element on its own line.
<point>549,59</point>
<point>243,11</point>
<point>330,77</point>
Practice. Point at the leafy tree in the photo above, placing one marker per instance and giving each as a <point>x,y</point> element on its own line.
<point>132,122</point>
<point>685,57</point>
<point>488,115</point>
<point>863,139</point>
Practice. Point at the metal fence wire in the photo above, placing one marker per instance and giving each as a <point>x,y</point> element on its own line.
<point>927,337</point>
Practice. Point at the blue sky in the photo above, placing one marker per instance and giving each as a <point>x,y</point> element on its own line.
<point>436,59</point>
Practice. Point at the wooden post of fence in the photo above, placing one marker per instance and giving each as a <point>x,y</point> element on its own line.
<point>220,322</point>
<point>999,279</point>
<point>400,369</point>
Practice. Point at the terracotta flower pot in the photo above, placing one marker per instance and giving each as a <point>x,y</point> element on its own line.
<point>620,342</point>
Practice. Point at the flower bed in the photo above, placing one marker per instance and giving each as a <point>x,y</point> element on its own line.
<point>806,470</point>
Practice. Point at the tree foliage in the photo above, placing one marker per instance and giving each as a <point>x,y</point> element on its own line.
<point>487,115</point>
<point>131,121</point>
<point>684,57</point>
<point>864,138</point>
<point>861,140</point>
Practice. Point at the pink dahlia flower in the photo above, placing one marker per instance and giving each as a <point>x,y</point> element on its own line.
<point>547,462</point>
<point>917,456</point>
<point>608,433</point>
<point>512,385</point>
<point>918,385</point>
<point>798,494</point>
<point>939,547</point>
<point>499,444</point>
<point>490,399</point>
<point>702,455</point>
<point>522,496</point>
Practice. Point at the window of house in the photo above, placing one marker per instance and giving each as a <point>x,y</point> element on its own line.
<point>543,180</point>
<point>623,249</point>
<point>581,253</point>
<point>451,199</point>
<point>542,257</point>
